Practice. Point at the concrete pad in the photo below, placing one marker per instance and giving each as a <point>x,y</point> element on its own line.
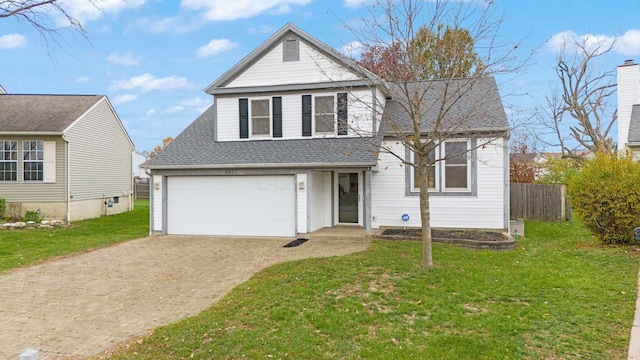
<point>86,304</point>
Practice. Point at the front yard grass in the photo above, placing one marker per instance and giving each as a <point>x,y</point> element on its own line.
<point>557,296</point>
<point>26,247</point>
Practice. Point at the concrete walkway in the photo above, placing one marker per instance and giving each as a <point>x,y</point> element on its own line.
<point>84,305</point>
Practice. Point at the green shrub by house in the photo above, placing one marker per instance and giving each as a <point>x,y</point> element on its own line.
<point>606,195</point>
<point>3,206</point>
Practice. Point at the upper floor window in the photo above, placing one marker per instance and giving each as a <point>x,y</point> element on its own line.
<point>325,114</point>
<point>8,160</point>
<point>291,50</point>
<point>260,119</point>
<point>33,160</point>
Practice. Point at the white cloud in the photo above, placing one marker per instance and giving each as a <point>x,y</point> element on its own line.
<point>173,109</point>
<point>147,82</point>
<point>353,49</point>
<point>82,79</point>
<point>357,3</point>
<point>91,10</point>
<point>218,10</point>
<point>150,112</point>
<point>625,44</point>
<point>630,43</point>
<point>121,99</point>
<point>262,29</point>
<point>198,104</point>
<point>125,59</point>
<point>215,47</point>
<point>11,41</point>
<point>168,24</point>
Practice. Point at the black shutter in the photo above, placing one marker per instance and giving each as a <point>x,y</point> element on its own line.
<point>342,114</point>
<point>277,116</point>
<point>244,118</point>
<point>306,115</point>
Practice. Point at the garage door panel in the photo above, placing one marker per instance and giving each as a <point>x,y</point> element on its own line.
<point>231,205</point>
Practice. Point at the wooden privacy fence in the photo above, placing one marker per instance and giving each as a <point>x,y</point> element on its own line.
<point>539,202</point>
<point>141,190</point>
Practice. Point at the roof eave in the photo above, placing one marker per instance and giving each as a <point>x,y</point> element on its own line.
<point>263,166</point>
<point>32,133</point>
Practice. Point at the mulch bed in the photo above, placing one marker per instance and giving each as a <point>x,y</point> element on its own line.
<point>481,240</point>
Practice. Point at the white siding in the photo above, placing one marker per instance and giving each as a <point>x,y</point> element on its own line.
<point>312,67</point>
<point>156,188</point>
<point>301,202</point>
<point>100,155</point>
<point>484,211</point>
<point>360,113</point>
<point>628,95</point>
<point>320,201</point>
<point>328,200</point>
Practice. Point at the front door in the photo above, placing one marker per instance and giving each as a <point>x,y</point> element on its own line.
<point>348,198</point>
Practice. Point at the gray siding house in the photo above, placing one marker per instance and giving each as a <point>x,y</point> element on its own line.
<point>67,155</point>
<point>297,140</point>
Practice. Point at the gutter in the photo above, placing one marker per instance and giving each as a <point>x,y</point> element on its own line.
<point>264,166</point>
<point>34,133</point>
<point>68,177</point>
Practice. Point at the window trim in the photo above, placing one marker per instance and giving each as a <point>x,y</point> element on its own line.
<point>269,115</point>
<point>25,161</point>
<point>467,154</point>
<point>414,188</point>
<point>315,114</point>
<point>472,190</point>
<point>2,160</point>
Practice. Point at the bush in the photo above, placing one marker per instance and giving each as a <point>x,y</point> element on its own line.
<point>606,195</point>
<point>3,205</point>
<point>32,216</point>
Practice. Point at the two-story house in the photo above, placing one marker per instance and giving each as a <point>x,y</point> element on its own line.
<point>292,144</point>
<point>629,107</point>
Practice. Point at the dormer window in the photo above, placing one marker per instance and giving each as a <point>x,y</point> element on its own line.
<point>291,50</point>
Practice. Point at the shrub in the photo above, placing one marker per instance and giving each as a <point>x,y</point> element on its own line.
<point>32,216</point>
<point>606,195</point>
<point>3,205</point>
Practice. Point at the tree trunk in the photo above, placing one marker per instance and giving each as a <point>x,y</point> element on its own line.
<point>425,213</point>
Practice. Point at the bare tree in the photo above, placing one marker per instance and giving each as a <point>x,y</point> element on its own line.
<point>42,15</point>
<point>430,107</point>
<point>578,113</point>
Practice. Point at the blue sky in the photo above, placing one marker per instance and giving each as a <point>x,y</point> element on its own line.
<point>153,58</point>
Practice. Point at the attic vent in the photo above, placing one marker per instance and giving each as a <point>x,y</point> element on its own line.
<point>291,50</point>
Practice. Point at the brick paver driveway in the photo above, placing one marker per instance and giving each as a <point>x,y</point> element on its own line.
<point>83,305</point>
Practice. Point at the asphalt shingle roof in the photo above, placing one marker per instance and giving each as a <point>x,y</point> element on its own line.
<point>472,106</point>
<point>195,147</point>
<point>634,125</point>
<point>47,113</point>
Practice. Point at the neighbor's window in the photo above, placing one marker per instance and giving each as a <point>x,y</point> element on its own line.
<point>8,160</point>
<point>325,114</point>
<point>456,168</point>
<point>260,120</point>
<point>431,172</point>
<point>33,160</point>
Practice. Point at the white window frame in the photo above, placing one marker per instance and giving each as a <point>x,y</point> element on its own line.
<point>270,115</point>
<point>467,155</point>
<point>10,161</point>
<point>335,116</point>
<point>36,161</point>
<point>436,165</point>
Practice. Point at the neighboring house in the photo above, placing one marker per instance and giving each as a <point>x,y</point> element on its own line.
<point>629,107</point>
<point>67,155</point>
<point>281,152</point>
<point>137,169</point>
<point>2,90</point>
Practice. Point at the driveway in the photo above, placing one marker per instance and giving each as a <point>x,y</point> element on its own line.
<point>83,305</point>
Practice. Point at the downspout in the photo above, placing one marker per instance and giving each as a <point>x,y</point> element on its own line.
<point>68,177</point>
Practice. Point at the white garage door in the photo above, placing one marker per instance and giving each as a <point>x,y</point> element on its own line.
<point>231,205</point>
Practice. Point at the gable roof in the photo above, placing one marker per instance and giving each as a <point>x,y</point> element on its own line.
<point>287,30</point>
<point>634,126</point>
<point>42,113</point>
<point>476,101</point>
<point>195,148</point>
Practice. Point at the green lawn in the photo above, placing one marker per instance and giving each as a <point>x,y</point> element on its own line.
<point>25,247</point>
<point>558,296</point>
